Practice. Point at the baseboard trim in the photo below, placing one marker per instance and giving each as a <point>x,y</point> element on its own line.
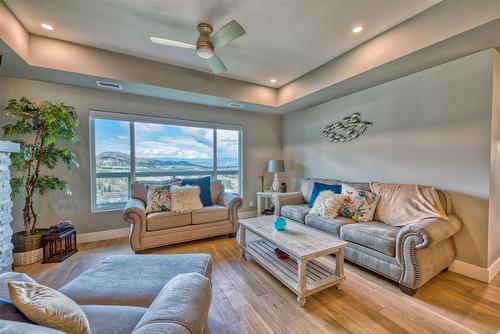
<point>494,269</point>
<point>478,273</point>
<point>124,232</point>
<point>103,235</point>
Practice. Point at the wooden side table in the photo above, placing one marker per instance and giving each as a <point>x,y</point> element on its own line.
<point>263,196</point>
<point>58,246</point>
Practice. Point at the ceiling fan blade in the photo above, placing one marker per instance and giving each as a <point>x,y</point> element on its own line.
<point>170,42</point>
<point>227,33</point>
<point>216,64</point>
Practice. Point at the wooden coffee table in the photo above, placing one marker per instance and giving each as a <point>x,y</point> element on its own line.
<point>301,272</point>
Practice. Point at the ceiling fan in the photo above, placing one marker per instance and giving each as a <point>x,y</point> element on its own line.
<point>207,42</point>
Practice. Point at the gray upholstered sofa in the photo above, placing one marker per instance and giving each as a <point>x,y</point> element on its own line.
<point>134,294</point>
<point>410,255</point>
<point>164,228</point>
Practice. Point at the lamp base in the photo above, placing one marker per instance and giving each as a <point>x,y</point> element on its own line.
<point>276,183</point>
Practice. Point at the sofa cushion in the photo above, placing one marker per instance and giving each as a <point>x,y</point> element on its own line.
<point>113,319</point>
<point>328,225</point>
<point>185,301</point>
<point>12,276</point>
<point>308,183</point>
<point>319,187</point>
<point>296,212</point>
<point>378,236</point>
<point>204,184</point>
<point>9,312</point>
<point>14,327</point>
<point>167,219</point>
<point>48,307</point>
<point>113,281</point>
<point>209,214</point>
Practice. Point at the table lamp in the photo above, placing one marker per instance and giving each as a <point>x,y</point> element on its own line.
<point>276,166</point>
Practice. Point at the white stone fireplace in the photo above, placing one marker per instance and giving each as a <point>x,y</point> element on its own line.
<point>6,147</point>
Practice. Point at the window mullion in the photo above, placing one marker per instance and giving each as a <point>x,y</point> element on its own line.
<point>132,155</point>
<point>215,154</point>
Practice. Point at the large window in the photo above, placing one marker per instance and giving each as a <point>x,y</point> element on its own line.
<point>127,148</point>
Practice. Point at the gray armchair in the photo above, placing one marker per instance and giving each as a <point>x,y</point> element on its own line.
<point>164,228</point>
<point>410,255</point>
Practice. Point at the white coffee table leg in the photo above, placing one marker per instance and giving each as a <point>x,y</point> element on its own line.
<point>243,240</point>
<point>339,267</point>
<point>301,280</point>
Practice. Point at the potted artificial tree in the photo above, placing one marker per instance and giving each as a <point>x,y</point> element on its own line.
<point>41,124</point>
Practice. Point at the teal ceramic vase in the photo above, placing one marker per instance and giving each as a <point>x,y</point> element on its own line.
<point>280,224</point>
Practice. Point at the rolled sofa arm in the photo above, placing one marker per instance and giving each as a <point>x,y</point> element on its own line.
<point>181,307</point>
<point>233,203</point>
<point>280,200</point>
<point>425,248</point>
<point>135,214</point>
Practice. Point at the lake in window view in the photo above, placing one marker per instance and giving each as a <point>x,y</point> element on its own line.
<point>162,152</point>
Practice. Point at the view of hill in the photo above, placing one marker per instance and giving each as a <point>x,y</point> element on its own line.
<point>121,160</point>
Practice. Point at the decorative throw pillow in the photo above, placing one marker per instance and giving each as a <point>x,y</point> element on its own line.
<point>319,187</point>
<point>48,307</point>
<point>204,184</point>
<point>403,204</point>
<point>159,197</point>
<point>359,205</point>
<point>185,198</point>
<point>327,204</point>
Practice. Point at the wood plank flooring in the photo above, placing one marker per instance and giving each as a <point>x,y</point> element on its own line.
<point>247,299</point>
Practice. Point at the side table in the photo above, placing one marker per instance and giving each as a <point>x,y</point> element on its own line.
<point>263,196</point>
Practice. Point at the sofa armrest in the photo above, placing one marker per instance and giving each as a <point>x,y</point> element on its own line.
<point>424,248</point>
<point>181,307</point>
<point>135,214</point>
<point>233,203</point>
<point>280,200</point>
<point>429,231</point>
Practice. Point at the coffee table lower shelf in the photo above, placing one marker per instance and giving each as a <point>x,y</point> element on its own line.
<point>318,276</point>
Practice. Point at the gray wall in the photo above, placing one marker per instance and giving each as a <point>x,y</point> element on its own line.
<point>261,139</point>
<point>432,128</point>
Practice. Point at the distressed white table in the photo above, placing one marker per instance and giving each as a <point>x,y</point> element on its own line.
<point>263,196</point>
<point>301,272</point>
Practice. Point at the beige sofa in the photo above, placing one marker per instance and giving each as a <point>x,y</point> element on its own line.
<point>410,255</point>
<point>164,228</point>
<point>138,294</point>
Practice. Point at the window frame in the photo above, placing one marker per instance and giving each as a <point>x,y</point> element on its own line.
<point>132,118</point>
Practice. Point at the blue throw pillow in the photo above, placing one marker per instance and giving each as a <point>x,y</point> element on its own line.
<point>204,184</point>
<point>319,187</point>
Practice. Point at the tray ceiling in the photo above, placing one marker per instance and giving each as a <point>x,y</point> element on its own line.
<point>284,40</point>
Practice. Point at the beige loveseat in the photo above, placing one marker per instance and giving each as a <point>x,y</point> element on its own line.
<point>167,227</point>
<point>410,255</point>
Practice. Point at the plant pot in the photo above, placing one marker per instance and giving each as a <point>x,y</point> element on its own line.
<point>28,248</point>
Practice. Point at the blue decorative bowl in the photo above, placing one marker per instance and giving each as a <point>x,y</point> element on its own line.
<point>280,224</point>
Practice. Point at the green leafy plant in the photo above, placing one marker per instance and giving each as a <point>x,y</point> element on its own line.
<point>42,124</point>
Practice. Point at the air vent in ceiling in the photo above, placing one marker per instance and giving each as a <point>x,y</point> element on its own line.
<point>234,105</point>
<point>110,85</point>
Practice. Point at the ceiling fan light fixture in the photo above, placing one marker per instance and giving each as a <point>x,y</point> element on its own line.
<point>204,52</point>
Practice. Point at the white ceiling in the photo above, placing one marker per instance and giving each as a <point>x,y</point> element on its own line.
<point>285,38</point>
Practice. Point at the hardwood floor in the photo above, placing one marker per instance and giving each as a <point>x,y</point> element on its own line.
<point>246,299</point>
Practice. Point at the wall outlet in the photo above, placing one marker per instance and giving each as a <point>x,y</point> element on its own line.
<point>252,205</point>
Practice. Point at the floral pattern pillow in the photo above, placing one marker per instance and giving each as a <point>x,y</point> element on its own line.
<point>359,205</point>
<point>159,198</point>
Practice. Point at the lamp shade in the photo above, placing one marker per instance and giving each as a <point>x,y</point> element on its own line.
<point>276,166</point>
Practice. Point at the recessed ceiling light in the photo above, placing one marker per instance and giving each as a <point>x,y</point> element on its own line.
<point>357,29</point>
<point>47,26</point>
<point>273,81</point>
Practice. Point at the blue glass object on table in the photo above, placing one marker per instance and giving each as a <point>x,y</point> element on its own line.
<point>280,224</point>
